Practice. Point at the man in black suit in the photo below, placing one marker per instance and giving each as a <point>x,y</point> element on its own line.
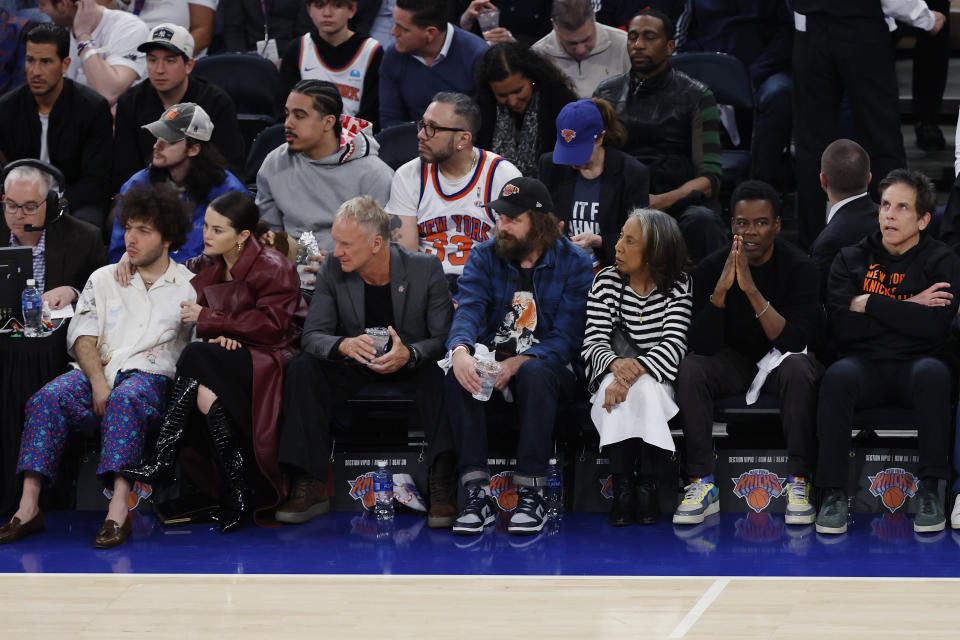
<point>367,283</point>
<point>844,176</point>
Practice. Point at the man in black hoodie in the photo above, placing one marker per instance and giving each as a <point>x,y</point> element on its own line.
<point>890,299</point>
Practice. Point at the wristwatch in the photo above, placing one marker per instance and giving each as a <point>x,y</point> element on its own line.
<point>414,357</point>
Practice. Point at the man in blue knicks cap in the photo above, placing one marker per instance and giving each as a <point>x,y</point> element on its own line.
<point>523,295</point>
<point>594,185</point>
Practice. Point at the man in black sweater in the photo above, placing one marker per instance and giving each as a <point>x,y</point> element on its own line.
<point>891,300</point>
<point>753,304</point>
<point>169,63</point>
<point>54,119</point>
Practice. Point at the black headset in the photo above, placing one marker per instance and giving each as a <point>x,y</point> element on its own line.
<point>57,205</point>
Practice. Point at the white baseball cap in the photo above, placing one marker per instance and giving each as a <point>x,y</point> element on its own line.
<point>169,36</point>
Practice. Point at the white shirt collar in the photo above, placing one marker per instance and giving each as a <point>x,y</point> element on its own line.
<point>447,39</point>
<point>837,206</point>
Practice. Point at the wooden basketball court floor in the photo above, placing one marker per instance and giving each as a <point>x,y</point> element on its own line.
<point>342,576</point>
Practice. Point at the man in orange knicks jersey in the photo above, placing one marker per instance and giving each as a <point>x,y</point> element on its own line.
<point>436,199</point>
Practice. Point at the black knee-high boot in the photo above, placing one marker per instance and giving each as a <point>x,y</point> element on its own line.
<point>159,470</point>
<point>235,500</point>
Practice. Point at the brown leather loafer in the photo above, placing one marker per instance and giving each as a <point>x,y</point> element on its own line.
<point>16,530</point>
<point>112,534</point>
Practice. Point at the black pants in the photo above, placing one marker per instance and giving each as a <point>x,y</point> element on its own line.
<point>931,58</point>
<point>632,455</point>
<point>538,388</point>
<point>832,59</point>
<point>703,378</point>
<point>702,230</point>
<point>853,383</point>
<point>313,389</point>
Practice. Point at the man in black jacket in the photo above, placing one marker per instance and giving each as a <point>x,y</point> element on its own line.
<point>844,176</point>
<point>169,63</point>
<point>56,120</point>
<point>755,310</point>
<point>891,300</point>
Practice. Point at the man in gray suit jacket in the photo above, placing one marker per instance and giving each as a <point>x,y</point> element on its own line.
<point>368,283</point>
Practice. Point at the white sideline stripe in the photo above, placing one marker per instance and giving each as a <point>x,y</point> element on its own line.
<point>441,576</point>
<point>698,609</point>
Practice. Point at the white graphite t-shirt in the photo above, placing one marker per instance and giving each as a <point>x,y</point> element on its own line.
<point>117,36</point>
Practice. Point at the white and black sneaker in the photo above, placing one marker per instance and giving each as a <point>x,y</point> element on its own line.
<point>531,513</point>
<point>480,511</point>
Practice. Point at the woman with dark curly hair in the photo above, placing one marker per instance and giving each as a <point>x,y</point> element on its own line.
<point>520,93</point>
<point>638,313</point>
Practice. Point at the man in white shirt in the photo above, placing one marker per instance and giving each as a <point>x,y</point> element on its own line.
<point>126,341</point>
<point>103,45</point>
<point>587,52</point>
<point>436,199</point>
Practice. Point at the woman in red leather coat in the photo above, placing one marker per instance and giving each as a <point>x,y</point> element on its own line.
<point>249,312</point>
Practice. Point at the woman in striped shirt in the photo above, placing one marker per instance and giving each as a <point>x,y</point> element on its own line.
<point>645,296</point>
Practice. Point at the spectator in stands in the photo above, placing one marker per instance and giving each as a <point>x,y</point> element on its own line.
<point>15,23</point>
<point>760,35</point>
<point>842,49</point>
<point>122,394</point>
<point>587,52</point>
<point>169,50</point>
<point>103,45</point>
<point>374,19</point>
<point>645,299</point>
<point>534,337</point>
<point>672,127</point>
<point>755,325</point>
<point>593,184</point>
<point>891,300</point>
<point>198,17</point>
<point>844,176</point>
<point>302,183</point>
<point>430,55</point>
<point>184,156</point>
<point>436,199</point>
<point>931,58</point>
<point>523,21</point>
<point>250,312</point>
<point>367,283</point>
<point>520,93</point>
<point>65,250</point>
<point>56,120</point>
<point>331,51</point>
<point>246,28</point>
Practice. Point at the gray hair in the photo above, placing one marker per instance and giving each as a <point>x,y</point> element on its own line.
<point>30,174</point>
<point>572,14</point>
<point>464,107</point>
<point>664,249</point>
<point>368,214</point>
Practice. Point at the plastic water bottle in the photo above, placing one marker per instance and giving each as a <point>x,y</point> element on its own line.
<point>383,491</point>
<point>32,306</point>
<point>553,494</point>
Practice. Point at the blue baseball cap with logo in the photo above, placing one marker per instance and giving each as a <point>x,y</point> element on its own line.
<point>578,127</point>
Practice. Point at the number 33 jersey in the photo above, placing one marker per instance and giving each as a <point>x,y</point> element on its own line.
<point>450,218</point>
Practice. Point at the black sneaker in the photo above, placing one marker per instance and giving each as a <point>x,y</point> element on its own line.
<point>930,514</point>
<point>929,136</point>
<point>480,511</point>
<point>531,513</point>
<point>832,517</point>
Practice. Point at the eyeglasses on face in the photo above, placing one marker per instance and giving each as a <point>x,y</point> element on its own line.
<point>431,129</point>
<point>29,208</point>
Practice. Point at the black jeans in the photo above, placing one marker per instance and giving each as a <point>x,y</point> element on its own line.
<point>854,382</point>
<point>538,388</point>
<point>313,389</point>
<point>701,379</point>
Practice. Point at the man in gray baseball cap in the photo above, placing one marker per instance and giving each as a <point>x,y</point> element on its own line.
<point>186,120</point>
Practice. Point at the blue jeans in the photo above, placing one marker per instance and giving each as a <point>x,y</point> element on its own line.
<point>772,127</point>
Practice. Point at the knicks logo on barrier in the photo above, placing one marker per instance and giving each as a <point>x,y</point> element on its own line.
<point>504,491</point>
<point>362,489</point>
<point>606,487</point>
<point>758,487</point>
<point>893,486</point>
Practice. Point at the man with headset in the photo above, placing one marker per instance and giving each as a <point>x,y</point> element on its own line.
<point>65,250</point>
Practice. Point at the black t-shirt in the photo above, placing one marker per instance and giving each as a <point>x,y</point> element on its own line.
<point>516,332</point>
<point>377,306</point>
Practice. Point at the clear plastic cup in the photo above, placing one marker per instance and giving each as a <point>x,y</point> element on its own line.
<point>488,370</point>
<point>306,277</point>
<point>488,20</point>
<point>380,337</point>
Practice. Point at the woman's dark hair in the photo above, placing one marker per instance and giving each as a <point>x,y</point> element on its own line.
<point>664,249</point>
<point>49,33</point>
<point>239,208</point>
<point>207,170</point>
<point>926,200</point>
<point>504,59</point>
<point>615,134</point>
<point>326,97</point>
<point>159,205</point>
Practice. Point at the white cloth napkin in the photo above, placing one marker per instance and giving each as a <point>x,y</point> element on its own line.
<point>644,414</point>
<point>767,364</point>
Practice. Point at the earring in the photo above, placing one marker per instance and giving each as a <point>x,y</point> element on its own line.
<point>239,246</point>
<point>460,148</point>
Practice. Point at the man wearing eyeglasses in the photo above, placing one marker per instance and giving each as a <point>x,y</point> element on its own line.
<point>436,199</point>
<point>65,253</point>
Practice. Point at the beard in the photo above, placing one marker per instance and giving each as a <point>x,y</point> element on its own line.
<point>512,248</point>
<point>437,156</point>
